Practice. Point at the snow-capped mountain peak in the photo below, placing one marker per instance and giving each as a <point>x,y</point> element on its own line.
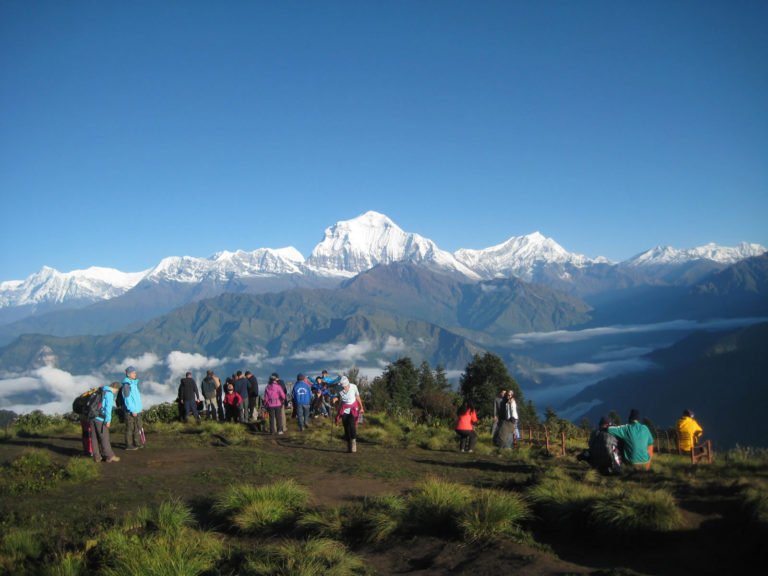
<point>666,255</point>
<point>51,286</point>
<point>225,264</point>
<point>520,256</point>
<point>353,246</point>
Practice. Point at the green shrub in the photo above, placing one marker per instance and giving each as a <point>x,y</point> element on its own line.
<point>165,413</point>
<point>31,472</point>
<point>36,424</point>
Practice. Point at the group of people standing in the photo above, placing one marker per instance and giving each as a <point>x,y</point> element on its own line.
<point>505,430</point>
<point>238,400</point>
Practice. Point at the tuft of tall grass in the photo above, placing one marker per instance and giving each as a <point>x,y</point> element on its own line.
<point>383,516</point>
<point>19,545</point>
<point>166,545</point>
<point>313,557</point>
<point>635,510</point>
<point>67,564</point>
<point>322,522</point>
<point>562,502</point>
<point>262,509</point>
<point>436,506</point>
<point>754,504</point>
<point>492,515</point>
<point>81,469</point>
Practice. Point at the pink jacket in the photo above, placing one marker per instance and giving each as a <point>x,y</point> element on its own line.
<point>274,395</point>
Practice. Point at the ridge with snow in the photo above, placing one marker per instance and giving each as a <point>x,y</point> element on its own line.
<point>348,248</point>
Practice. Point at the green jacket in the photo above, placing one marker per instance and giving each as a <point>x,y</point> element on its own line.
<point>635,439</point>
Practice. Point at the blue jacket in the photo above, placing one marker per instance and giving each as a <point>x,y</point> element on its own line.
<point>108,401</point>
<point>133,400</point>
<point>241,387</point>
<point>302,393</point>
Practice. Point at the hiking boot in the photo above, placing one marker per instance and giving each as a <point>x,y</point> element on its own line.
<point>113,459</point>
<point>131,447</point>
<point>354,445</point>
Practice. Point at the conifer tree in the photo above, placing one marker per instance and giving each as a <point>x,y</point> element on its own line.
<point>483,377</point>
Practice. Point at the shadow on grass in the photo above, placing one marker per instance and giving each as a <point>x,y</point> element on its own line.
<point>76,450</point>
<point>482,465</point>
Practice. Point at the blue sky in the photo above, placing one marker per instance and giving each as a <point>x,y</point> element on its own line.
<point>131,131</point>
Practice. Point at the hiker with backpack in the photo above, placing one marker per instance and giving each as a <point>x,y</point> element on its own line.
<point>131,400</point>
<point>251,413</point>
<point>100,417</point>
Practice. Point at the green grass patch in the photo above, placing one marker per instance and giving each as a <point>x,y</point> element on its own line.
<point>313,557</point>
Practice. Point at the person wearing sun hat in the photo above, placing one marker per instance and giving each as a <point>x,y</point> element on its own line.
<point>350,409</point>
<point>637,441</point>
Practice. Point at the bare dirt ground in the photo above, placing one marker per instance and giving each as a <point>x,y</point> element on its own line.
<point>167,467</point>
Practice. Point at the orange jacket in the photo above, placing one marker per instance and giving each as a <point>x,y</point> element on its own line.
<point>467,420</point>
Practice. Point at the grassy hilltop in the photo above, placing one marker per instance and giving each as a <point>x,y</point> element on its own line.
<point>228,499</point>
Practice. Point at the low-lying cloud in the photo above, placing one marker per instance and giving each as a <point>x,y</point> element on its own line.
<point>568,336</point>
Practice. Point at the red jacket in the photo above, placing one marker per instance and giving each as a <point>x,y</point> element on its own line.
<point>467,420</point>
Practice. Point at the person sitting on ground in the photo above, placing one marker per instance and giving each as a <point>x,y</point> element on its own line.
<point>465,427</point>
<point>688,432</point>
<point>637,441</point>
<point>232,403</point>
<point>604,454</point>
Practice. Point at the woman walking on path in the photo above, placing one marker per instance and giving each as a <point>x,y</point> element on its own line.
<point>350,410</point>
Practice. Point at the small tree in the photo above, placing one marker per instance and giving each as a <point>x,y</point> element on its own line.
<point>401,381</point>
<point>483,377</point>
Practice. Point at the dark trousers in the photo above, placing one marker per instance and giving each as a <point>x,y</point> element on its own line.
<point>133,428</point>
<point>467,439</point>
<point>102,447</point>
<point>350,427</point>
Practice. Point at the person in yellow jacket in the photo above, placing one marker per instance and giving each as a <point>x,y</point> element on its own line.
<point>688,431</point>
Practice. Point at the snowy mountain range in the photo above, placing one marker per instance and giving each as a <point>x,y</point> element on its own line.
<point>348,248</point>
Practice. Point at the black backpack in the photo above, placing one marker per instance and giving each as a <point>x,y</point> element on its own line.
<point>94,404</point>
<point>80,404</point>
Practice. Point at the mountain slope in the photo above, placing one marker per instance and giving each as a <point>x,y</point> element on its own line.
<point>717,375</point>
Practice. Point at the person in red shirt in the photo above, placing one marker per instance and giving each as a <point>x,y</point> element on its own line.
<point>465,427</point>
